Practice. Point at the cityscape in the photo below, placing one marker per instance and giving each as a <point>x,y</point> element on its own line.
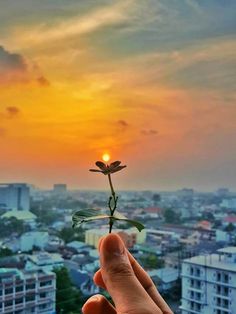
<point>188,247</point>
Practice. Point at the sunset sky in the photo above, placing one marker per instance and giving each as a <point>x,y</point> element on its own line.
<point>152,82</point>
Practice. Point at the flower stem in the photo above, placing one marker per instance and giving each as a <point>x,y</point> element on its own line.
<point>112,208</point>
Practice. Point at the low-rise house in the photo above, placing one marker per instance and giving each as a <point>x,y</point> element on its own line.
<point>164,278</point>
<point>32,239</point>
<point>44,260</point>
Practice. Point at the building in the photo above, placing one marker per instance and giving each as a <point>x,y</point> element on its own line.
<point>59,189</point>
<point>32,239</point>
<point>24,215</point>
<point>130,236</point>
<point>209,283</point>
<point>27,292</point>
<point>15,196</point>
<point>44,260</point>
<point>164,278</point>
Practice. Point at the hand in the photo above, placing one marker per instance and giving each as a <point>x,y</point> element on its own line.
<point>130,287</point>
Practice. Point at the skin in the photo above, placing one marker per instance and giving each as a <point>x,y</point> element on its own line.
<point>130,287</point>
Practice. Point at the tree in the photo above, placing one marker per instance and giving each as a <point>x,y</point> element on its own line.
<point>12,225</point>
<point>171,216</point>
<point>69,234</point>
<point>5,252</point>
<point>152,261</point>
<point>68,298</point>
<point>230,227</point>
<point>156,197</point>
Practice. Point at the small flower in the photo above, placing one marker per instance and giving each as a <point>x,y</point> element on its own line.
<point>108,169</point>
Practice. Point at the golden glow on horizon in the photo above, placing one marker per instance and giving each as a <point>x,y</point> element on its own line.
<point>106,157</point>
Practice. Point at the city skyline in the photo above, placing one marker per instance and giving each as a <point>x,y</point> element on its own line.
<point>150,82</point>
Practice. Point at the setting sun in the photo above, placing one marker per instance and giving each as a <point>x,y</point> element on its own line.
<point>106,157</point>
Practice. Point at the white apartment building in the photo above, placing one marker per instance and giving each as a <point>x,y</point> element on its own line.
<point>209,283</point>
<point>27,292</point>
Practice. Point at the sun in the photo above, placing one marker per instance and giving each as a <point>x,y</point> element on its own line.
<point>106,157</point>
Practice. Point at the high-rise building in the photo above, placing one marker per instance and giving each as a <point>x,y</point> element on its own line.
<point>59,189</point>
<point>15,196</point>
<point>209,283</point>
<point>27,292</point>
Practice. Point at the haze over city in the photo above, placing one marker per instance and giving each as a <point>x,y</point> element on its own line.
<point>150,82</point>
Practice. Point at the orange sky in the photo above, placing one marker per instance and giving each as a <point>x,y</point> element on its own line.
<point>143,84</point>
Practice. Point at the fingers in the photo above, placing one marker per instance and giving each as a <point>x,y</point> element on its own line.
<point>99,305</point>
<point>144,279</point>
<point>119,278</point>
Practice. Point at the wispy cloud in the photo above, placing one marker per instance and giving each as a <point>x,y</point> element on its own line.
<point>79,25</point>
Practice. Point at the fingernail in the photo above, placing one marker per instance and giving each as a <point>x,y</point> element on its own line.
<point>113,245</point>
<point>91,300</point>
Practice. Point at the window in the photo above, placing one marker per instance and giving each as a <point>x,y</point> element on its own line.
<point>45,283</point>
<point>198,272</point>
<point>43,306</point>
<point>30,286</point>
<point>226,278</point>
<point>43,295</point>
<point>218,289</point>
<point>198,283</point>
<point>226,291</point>
<point>9,291</point>
<point>19,301</point>
<point>30,298</point>
<point>8,303</point>
<point>226,303</point>
<point>218,277</point>
<point>19,288</point>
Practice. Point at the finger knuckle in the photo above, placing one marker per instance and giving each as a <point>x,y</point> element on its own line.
<point>119,270</point>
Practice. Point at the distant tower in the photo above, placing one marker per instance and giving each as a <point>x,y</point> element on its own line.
<point>60,189</point>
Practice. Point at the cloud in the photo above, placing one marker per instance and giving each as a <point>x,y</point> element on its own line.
<point>12,66</point>
<point>149,132</point>
<point>12,111</point>
<point>122,123</point>
<point>43,81</point>
<point>80,25</point>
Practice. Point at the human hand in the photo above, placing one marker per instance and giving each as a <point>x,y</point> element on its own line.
<point>130,287</point>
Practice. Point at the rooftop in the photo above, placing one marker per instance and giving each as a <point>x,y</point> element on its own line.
<point>20,214</point>
<point>218,261</point>
<point>228,250</point>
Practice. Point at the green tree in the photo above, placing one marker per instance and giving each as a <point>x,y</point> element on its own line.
<point>68,298</point>
<point>151,261</point>
<point>69,234</point>
<point>171,216</point>
<point>230,227</point>
<point>5,252</point>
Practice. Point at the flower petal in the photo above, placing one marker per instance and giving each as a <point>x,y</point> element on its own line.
<point>117,169</point>
<point>101,165</point>
<point>114,164</point>
<point>95,170</point>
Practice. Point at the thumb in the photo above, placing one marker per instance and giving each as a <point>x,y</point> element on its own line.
<point>122,284</point>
